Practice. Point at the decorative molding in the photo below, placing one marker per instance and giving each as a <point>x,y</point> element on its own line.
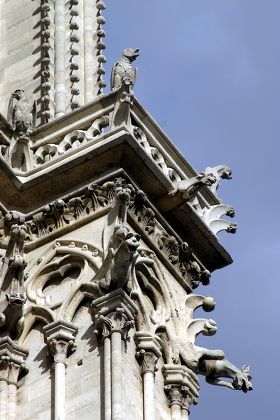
<point>100,34</point>
<point>154,153</point>
<point>68,211</point>
<point>71,141</point>
<point>73,51</point>
<point>47,60</point>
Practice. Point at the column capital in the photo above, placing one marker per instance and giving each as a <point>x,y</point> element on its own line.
<point>181,385</point>
<point>148,350</point>
<point>174,393</point>
<point>12,360</point>
<point>114,312</point>
<point>60,337</point>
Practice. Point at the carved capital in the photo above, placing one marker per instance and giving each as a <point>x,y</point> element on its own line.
<point>114,312</point>
<point>60,349</point>
<point>148,351</point>
<point>181,385</point>
<point>60,337</point>
<point>147,360</point>
<point>174,394</point>
<point>12,360</point>
<point>116,321</point>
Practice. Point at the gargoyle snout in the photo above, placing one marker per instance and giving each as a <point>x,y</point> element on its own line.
<point>131,53</point>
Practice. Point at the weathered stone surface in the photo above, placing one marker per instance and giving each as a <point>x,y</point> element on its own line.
<point>105,232</point>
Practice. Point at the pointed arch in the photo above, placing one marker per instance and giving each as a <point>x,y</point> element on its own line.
<point>34,314</point>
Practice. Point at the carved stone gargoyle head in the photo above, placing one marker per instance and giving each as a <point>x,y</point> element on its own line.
<point>131,53</point>
<point>18,299</point>
<point>18,94</point>
<point>243,380</point>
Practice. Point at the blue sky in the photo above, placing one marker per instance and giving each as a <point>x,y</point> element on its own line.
<point>209,73</point>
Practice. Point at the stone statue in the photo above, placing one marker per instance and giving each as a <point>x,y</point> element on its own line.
<point>190,187</point>
<point>21,112</point>
<point>219,172</point>
<point>213,370</point>
<point>123,71</point>
<point>120,260</point>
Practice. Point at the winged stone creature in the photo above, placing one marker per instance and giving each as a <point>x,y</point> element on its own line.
<point>123,71</point>
<point>22,112</point>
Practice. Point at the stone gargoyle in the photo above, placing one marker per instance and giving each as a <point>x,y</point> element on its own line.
<point>12,314</point>
<point>190,187</point>
<point>214,370</point>
<point>123,71</point>
<point>219,172</point>
<point>21,113</point>
<point>116,270</point>
<point>180,347</point>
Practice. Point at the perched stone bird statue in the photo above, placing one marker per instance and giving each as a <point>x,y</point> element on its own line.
<point>21,112</point>
<point>123,71</point>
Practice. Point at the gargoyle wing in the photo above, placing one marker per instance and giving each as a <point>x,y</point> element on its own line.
<point>34,114</point>
<point>113,74</point>
<point>11,105</point>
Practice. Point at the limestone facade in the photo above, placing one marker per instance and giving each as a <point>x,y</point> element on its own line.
<point>105,233</point>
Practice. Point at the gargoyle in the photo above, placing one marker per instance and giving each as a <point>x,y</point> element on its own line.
<point>13,295</point>
<point>212,216</point>
<point>123,71</point>
<point>21,112</point>
<point>116,270</point>
<point>12,317</point>
<point>213,370</point>
<point>219,172</point>
<point>190,187</point>
<point>22,116</point>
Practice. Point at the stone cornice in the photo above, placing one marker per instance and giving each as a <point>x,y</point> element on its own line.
<point>119,148</point>
<point>90,202</point>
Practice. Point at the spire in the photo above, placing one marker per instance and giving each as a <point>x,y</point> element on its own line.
<point>60,64</point>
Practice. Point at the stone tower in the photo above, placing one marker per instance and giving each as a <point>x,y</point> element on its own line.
<point>106,231</point>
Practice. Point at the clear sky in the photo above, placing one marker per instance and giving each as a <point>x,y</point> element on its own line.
<point>209,73</point>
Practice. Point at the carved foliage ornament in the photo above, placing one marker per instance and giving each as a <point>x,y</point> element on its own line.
<point>63,212</point>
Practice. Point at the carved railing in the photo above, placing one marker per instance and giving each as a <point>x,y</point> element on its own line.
<point>70,141</point>
<point>189,187</point>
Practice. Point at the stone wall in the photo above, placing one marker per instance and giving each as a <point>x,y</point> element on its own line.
<point>20,49</point>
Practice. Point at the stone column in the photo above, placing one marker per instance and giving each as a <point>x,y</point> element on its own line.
<point>114,316</point>
<point>148,353</point>
<point>182,389</point>
<point>186,402</point>
<point>107,378</point>
<point>60,337</point>
<point>12,359</point>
